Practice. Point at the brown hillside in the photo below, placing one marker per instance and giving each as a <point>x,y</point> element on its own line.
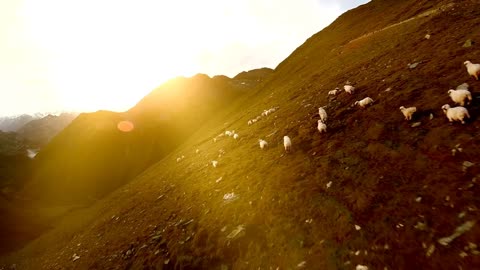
<point>92,157</point>
<point>401,185</point>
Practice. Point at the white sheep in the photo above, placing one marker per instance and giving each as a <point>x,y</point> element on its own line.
<point>459,96</point>
<point>408,112</point>
<point>323,114</point>
<point>250,122</point>
<point>334,91</point>
<point>228,133</point>
<point>235,136</point>
<point>287,143</point>
<point>214,163</point>
<point>364,102</point>
<point>473,69</point>
<point>321,126</point>
<point>455,114</point>
<point>179,159</point>
<point>349,89</point>
<point>263,144</point>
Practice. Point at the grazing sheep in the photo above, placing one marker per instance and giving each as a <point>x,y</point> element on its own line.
<point>263,144</point>
<point>323,114</point>
<point>287,143</point>
<point>214,163</point>
<point>459,96</point>
<point>408,112</point>
<point>235,136</point>
<point>250,122</point>
<point>473,69</point>
<point>228,133</point>
<point>179,159</point>
<point>455,114</point>
<point>349,89</point>
<point>321,126</point>
<point>364,102</point>
<point>334,92</point>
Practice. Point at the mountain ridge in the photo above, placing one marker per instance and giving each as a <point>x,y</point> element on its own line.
<point>374,190</point>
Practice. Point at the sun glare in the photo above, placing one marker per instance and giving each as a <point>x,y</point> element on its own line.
<point>109,54</point>
<point>125,126</point>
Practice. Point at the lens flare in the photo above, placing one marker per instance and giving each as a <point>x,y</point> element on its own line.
<point>125,126</point>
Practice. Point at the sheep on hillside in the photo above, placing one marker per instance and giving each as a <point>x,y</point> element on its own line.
<point>235,136</point>
<point>364,102</point>
<point>321,126</point>
<point>323,114</point>
<point>334,92</point>
<point>408,112</point>
<point>263,144</point>
<point>459,96</point>
<point>349,89</point>
<point>455,114</point>
<point>287,143</point>
<point>472,69</point>
<point>228,133</point>
<point>214,163</point>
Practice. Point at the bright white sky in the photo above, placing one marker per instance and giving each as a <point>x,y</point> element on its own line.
<point>86,55</point>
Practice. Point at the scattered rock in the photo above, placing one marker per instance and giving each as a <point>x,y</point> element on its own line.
<point>427,36</point>
<point>418,199</point>
<point>237,232</point>
<point>468,43</point>
<point>230,197</point>
<point>218,180</point>
<point>75,257</point>
<point>357,227</point>
<point>421,226</point>
<point>361,267</point>
<point>467,164</point>
<point>309,221</point>
<point>430,250</point>
<point>414,65</point>
<point>302,264</point>
<point>329,184</point>
<point>416,124</point>
<point>445,241</point>
<point>166,261</point>
<point>431,116</point>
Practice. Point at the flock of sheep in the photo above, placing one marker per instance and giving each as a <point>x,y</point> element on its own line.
<point>459,96</point>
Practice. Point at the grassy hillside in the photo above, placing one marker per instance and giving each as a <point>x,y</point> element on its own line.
<point>92,157</point>
<point>373,190</point>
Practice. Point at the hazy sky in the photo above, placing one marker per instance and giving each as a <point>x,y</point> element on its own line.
<point>88,55</point>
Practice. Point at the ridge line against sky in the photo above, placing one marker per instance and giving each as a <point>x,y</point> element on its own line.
<point>69,55</point>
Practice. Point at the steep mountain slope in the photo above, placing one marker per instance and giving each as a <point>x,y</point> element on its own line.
<point>12,123</point>
<point>39,132</point>
<point>92,157</point>
<point>373,191</point>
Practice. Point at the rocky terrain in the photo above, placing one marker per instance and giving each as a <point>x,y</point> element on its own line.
<point>375,190</point>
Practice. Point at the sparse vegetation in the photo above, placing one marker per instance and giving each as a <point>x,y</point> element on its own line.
<point>371,192</point>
